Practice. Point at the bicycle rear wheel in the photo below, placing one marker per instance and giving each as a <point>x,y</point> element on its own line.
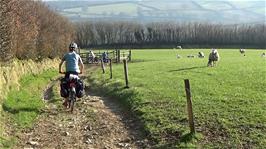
<point>72,100</point>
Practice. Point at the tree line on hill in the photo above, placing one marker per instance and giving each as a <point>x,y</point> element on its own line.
<point>169,35</point>
<point>30,30</point>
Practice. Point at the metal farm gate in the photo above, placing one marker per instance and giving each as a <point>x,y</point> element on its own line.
<point>115,55</point>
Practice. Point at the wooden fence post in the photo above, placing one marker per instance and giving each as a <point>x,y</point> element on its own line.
<point>113,54</point>
<point>129,55</point>
<point>111,69</point>
<point>126,72</point>
<point>102,65</point>
<point>118,56</point>
<point>189,106</point>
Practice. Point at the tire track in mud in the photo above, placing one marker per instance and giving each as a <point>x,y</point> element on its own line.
<point>97,122</point>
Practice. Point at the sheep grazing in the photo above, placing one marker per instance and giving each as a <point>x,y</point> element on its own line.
<point>201,55</point>
<point>213,58</point>
<point>191,56</point>
<point>178,56</point>
<point>242,51</point>
<point>263,54</point>
<point>179,47</point>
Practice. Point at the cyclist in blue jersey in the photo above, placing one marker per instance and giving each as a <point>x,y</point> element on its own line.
<point>73,62</point>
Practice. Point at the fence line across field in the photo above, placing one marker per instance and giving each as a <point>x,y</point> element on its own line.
<point>115,55</point>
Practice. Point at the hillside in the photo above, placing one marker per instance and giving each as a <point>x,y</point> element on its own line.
<point>232,12</point>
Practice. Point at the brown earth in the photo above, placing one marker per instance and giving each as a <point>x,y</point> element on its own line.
<point>97,122</point>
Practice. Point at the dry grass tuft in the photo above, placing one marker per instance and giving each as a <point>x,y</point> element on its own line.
<point>11,74</point>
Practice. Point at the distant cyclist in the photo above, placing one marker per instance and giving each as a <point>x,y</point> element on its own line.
<point>91,57</point>
<point>74,64</point>
<point>105,57</point>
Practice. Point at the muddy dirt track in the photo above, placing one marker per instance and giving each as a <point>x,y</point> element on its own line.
<point>97,122</point>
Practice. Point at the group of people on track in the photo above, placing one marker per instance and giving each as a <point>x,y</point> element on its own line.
<point>92,58</point>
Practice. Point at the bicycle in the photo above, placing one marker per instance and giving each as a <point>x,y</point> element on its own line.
<point>71,87</point>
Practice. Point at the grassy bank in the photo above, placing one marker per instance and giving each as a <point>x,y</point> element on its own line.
<point>11,74</point>
<point>25,104</point>
<point>228,100</point>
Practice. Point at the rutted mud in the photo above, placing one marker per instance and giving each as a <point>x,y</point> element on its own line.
<point>96,122</point>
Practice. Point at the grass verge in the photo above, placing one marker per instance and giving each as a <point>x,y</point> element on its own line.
<point>25,104</point>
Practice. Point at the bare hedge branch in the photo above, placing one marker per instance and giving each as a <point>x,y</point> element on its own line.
<point>30,30</point>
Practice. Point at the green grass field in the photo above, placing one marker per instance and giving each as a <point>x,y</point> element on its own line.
<point>25,104</point>
<point>126,8</point>
<point>228,100</point>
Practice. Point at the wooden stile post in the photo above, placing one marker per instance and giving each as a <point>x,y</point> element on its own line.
<point>126,72</point>
<point>111,69</point>
<point>189,106</point>
<point>102,65</point>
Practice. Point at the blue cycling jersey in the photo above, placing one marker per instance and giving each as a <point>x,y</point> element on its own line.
<point>72,60</point>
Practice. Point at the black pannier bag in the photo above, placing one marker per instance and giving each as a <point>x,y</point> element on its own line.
<point>80,88</point>
<point>64,88</point>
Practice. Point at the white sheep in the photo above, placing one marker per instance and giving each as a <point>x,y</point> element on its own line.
<point>242,51</point>
<point>179,47</point>
<point>213,57</point>
<point>191,56</point>
<point>201,55</point>
<point>263,54</point>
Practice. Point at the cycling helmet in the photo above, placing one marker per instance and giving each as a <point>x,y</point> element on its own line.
<point>73,45</point>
